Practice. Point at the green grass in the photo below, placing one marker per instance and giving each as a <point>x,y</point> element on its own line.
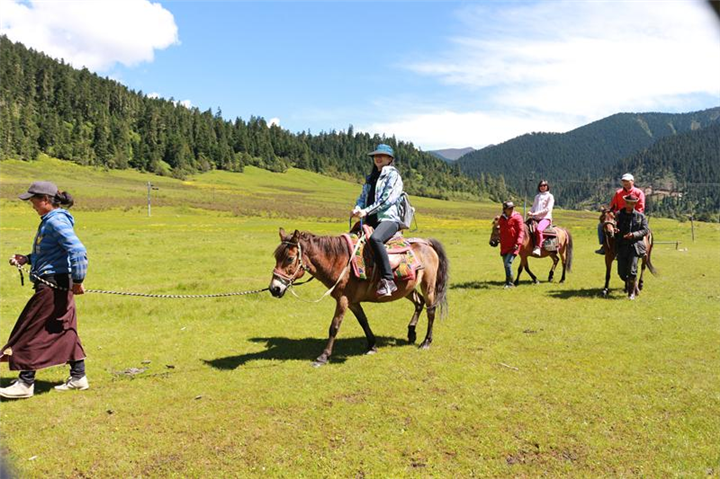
<point>595,388</point>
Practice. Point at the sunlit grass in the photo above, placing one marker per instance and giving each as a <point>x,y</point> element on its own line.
<point>544,380</point>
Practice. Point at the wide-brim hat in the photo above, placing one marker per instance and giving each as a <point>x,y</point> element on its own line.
<point>631,199</point>
<point>383,149</point>
<point>508,204</point>
<point>40,188</point>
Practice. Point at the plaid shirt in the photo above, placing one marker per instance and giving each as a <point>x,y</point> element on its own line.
<point>56,249</point>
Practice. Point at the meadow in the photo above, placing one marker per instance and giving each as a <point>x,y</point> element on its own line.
<point>545,380</point>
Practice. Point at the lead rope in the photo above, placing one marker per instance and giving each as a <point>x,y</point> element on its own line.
<point>342,275</point>
<point>144,295</point>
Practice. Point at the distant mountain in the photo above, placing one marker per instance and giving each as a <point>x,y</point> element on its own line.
<point>577,162</point>
<point>451,154</point>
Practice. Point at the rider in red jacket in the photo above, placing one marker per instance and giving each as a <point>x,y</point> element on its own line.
<point>618,203</point>
<point>512,235</point>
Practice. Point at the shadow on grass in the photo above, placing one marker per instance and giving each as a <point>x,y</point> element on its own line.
<point>305,349</point>
<point>586,293</point>
<point>478,285</point>
<point>41,387</point>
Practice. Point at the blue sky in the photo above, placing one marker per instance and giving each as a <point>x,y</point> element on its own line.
<point>439,74</point>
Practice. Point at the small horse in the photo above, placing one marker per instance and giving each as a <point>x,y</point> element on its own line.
<point>609,226</point>
<point>327,259</point>
<point>565,251</point>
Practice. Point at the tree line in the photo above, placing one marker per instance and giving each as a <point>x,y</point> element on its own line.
<point>50,107</point>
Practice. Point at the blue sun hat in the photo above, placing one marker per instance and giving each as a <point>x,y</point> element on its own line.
<point>383,149</point>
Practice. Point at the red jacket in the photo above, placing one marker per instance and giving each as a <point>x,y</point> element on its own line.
<point>618,201</point>
<point>511,233</point>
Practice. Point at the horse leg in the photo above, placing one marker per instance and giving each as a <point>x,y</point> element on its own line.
<point>429,336</point>
<point>362,319</point>
<point>520,269</point>
<point>608,270</point>
<point>555,260</point>
<point>527,268</point>
<point>419,302</point>
<point>642,271</point>
<point>340,308</point>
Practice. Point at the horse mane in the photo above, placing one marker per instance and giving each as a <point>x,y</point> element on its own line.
<point>328,245</point>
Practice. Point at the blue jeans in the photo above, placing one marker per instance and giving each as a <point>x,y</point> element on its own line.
<point>601,234</point>
<point>507,262</point>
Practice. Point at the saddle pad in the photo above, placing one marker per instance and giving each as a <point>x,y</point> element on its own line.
<point>402,259</point>
<point>550,244</point>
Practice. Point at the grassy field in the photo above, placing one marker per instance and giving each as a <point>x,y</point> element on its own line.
<point>544,380</point>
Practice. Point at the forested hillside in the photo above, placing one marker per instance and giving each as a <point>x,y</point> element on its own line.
<point>683,172</point>
<point>48,106</point>
<point>579,164</point>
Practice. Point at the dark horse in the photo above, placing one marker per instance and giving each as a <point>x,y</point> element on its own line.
<point>327,257</point>
<point>565,251</point>
<point>609,225</point>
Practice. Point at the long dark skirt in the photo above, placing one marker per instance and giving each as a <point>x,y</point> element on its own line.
<point>45,334</point>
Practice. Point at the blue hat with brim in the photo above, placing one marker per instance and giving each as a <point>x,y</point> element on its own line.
<point>383,149</point>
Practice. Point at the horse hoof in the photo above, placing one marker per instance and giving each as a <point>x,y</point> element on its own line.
<point>604,293</point>
<point>412,338</point>
<point>537,281</point>
<point>424,345</point>
<point>319,362</point>
<point>372,350</point>
<point>562,281</point>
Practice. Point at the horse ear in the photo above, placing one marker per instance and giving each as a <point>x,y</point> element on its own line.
<point>496,218</point>
<point>282,234</point>
<point>296,235</point>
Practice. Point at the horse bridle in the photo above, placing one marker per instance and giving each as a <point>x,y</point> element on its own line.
<point>289,280</point>
<point>612,222</point>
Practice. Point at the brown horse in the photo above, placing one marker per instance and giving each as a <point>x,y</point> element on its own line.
<point>565,251</point>
<point>326,258</point>
<point>609,226</point>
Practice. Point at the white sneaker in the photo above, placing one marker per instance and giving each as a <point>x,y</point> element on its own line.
<point>72,383</point>
<point>536,252</point>
<point>18,390</point>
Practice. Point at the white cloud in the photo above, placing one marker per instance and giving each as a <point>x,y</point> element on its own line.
<point>186,103</point>
<point>553,66</point>
<point>153,95</point>
<point>96,34</point>
<point>273,121</point>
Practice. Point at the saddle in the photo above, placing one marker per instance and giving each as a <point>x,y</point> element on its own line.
<point>403,261</point>
<point>550,240</point>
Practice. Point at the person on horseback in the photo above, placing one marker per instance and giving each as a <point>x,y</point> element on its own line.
<point>618,204</point>
<point>512,235</point>
<point>377,203</point>
<point>632,227</point>
<point>541,212</point>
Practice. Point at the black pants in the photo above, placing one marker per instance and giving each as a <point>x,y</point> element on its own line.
<point>77,370</point>
<point>384,230</point>
<point>627,264</point>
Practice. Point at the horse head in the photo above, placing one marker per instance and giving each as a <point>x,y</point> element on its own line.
<point>289,265</point>
<point>495,234</point>
<point>609,225</point>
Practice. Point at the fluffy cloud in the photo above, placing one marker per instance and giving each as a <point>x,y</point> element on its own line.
<point>274,121</point>
<point>96,34</point>
<point>553,66</point>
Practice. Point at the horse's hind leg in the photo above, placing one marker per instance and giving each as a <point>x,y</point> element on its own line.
<point>419,302</point>
<point>362,319</point>
<point>551,275</point>
<point>642,271</point>
<point>429,336</point>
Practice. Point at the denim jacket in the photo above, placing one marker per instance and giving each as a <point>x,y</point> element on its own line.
<point>388,189</point>
<point>56,249</point>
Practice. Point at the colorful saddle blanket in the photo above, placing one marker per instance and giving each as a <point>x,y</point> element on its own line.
<point>403,261</point>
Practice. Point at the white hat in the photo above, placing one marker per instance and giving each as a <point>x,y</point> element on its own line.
<point>627,177</point>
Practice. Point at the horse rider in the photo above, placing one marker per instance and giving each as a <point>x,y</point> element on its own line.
<point>512,235</point>
<point>377,204</point>
<point>541,212</point>
<point>632,227</point>
<point>618,204</point>
<point>45,334</point>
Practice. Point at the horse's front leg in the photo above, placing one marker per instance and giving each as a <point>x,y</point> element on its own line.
<point>608,270</point>
<point>362,319</point>
<point>340,308</point>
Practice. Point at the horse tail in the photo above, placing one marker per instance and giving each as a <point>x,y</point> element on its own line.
<point>569,256</point>
<point>648,262</point>
<point>442,278</point>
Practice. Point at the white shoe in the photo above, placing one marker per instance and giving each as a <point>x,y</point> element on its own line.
<point>536,252</point>
<point>72,383</point>
<point>18,390</point>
